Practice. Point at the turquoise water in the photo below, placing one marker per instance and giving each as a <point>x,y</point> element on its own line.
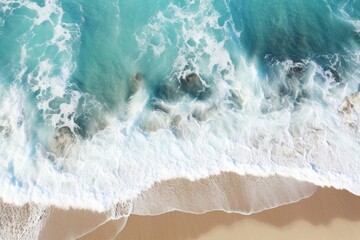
<point>101,99</point>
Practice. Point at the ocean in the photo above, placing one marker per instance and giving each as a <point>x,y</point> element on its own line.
<point>100,100</point>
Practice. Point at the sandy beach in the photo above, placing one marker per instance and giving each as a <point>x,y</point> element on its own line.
<point>328,214</point>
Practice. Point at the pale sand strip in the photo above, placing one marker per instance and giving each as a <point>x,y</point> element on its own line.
<point>329,214</point>
<point>228,190</point>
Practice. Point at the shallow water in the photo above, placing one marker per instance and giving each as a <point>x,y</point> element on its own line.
<point>100,100</point>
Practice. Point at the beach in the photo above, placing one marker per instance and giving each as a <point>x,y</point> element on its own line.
<point>319,213</point>
<point>328,214</point>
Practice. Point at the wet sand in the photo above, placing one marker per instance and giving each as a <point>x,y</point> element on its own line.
<point>328,214</point>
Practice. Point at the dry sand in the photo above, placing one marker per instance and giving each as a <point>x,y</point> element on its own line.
<point>329,214</point>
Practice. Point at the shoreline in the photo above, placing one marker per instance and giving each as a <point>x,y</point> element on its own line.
<point>328,214</point>
<point>324,211</point>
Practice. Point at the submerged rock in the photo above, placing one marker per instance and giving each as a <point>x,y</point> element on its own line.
<point>175,121</point>
<point>136,80</point>
<point>175,125</point>
<point>203,113</point>
<point>135,83</point>
<point>5,131</point>
<point>63,140</point>
<point>168,92</point>
<point>175,89</point>
<point>161,106</point>
<point>297,70</point>
<point>193,85</point>
<point>333,74</point>
<point>192,79</point>
<point>350,110</point>
<point>351,103</point>
<point>153,121</point>
<point>236,99</point>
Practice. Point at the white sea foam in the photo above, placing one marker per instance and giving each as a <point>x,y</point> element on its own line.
<point>307,145</point>
<point>49,78</point>
<point>345,15</point>
<point>22,223</point>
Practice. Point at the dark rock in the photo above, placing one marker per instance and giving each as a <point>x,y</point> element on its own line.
<point>175,125</point>
<point>175,121</point>
<point>168,92</point>
<point>347,106</point>
<point>236,99</point>
<point>5,131</point>
<point>64,138</point>
<point>192,79</point>
<point>137,78</point>
<point>135,83</point>
<point>297,70</point>
<point>351,103</point>
<point>161,106</point>
<point>192,85</point>
<point>334,75</point>
<point>203,114</point>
